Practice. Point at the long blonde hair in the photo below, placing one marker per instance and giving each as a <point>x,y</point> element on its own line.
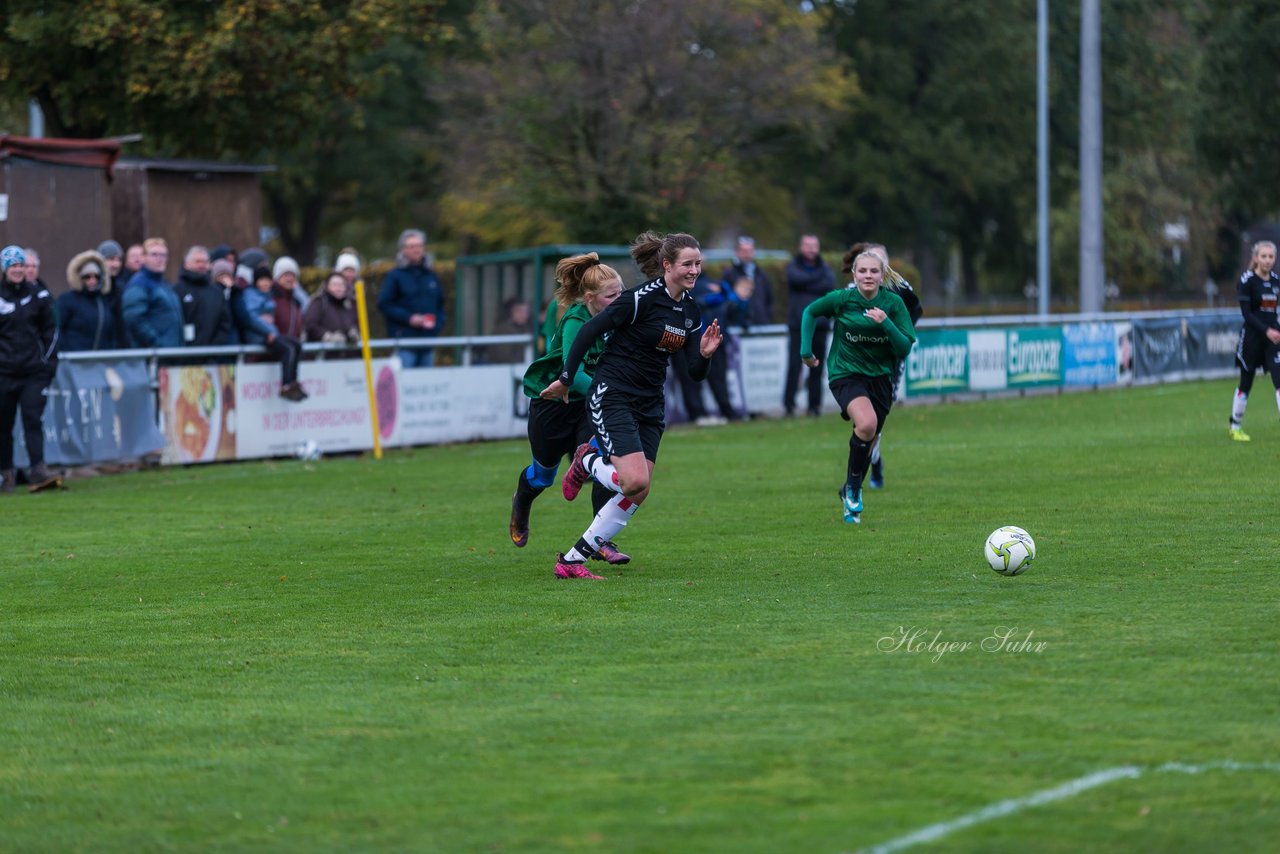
<point>877,251</point>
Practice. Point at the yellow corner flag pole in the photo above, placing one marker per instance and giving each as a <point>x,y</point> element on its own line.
<point>363,315</point>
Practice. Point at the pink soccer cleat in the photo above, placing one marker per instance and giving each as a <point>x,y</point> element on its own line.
<point>577,474</point>
<point>573,569</point>
<point>608,552</point>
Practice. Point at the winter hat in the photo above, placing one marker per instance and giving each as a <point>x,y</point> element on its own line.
<point>9,256</point>
<point>260,273</point>
<point>284,265</point>
<point>347,261</point>
<point>222,267</point>
<point>110,249</point>
<point>91,267</point>
<point>254,258</point>
<point>219,252</point>
<point>244,274</point>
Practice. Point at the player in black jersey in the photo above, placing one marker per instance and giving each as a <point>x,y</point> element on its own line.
<point>902,288</point>
<point>1260,335</point>
<point>584,288</point>
<point>645,325</point>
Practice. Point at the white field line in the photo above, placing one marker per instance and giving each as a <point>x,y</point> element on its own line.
<point>1070,789</point>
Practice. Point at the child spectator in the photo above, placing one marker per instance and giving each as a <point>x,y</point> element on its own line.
<point>258,317</point>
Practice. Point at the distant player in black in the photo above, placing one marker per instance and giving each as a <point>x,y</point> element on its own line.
<point>646,325</point>
<point>1260,335</point>
<point>902,288</point>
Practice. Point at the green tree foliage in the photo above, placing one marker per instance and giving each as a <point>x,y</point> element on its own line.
<point>271,80</point>
<point>594,120</point>
<point>939,156</point>
<point>1236,128</point>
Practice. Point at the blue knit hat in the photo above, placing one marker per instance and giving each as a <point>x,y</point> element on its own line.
<point>11,255</point>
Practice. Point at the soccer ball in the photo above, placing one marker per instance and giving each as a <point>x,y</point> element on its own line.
<point>1010,550</point>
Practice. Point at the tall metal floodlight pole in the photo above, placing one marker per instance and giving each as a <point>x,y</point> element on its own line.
<point>1042,156</point>
<point>1092,268</point>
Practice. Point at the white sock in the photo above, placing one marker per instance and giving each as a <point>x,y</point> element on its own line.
<point>601,472</point>
<point>611,519</point>
<point>1237,408</point>
<point>875,452</point>
<point>1278,398</point>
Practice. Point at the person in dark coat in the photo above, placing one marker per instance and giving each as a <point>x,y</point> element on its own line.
<point>331,315</point>
<point>87,312</point>
<point>761,304</point>
<point>28,362</point>
<point>412,300</point>
<point>152,313</point>
<point>808,277</point>
<point>206,317</point>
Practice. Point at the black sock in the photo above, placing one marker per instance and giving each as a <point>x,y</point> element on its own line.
<point>859,455</point>
<point>525,491</point>
<point>584,548</point>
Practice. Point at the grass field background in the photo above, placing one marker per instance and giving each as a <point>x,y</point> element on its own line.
<point>350,655</point>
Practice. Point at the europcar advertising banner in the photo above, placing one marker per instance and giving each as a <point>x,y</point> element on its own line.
<point>1035,356</point>
<point>938,363</point>
<point>96,412</point>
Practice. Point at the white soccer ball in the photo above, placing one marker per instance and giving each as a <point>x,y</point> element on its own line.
<point>308,450</point>
<point>1010,550</point>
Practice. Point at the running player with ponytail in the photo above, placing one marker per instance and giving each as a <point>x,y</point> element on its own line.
<point>871,333</point>
<point>902,288</point>
<point>645,326</point>
<point>585,287</point>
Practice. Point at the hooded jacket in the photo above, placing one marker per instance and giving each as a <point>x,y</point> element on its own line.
<point>89,320</point>
<point>28,331</point>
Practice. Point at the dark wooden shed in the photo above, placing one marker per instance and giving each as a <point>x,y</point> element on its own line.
<point>188,203</point>
<point>55,196</point>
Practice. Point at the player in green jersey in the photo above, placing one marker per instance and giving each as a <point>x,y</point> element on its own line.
<point>871,332</point>
<point>585,287</point>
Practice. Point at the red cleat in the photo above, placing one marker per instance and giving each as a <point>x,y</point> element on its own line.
<point>577,474</point>
<point>573,569</point>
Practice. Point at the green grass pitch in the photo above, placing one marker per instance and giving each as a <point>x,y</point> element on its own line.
<point>350,655</point>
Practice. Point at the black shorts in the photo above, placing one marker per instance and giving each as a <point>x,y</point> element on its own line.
<point>556,429</point>
<point>626,423</point>
<point>1254,351</point>
<point>879,390</point>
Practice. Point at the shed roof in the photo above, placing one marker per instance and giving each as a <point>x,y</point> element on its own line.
<point>164,164</point>
<point>93,153</point>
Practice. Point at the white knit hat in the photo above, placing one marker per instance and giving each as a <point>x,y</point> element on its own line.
<point>284,264</point>
<point>347,261</point>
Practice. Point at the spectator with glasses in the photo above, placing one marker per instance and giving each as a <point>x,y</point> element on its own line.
<point>152,313</point>
<point>87,318</point>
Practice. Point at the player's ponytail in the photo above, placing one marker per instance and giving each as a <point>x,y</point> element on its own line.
<point>650,249</point>
<point>579,276</point>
